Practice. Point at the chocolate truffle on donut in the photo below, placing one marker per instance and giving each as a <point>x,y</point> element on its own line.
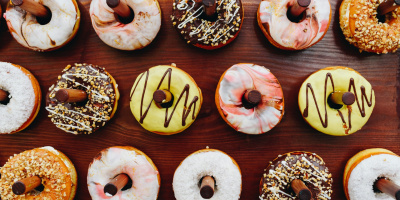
<point>84,98</point>
<point>250,98</point>
<point>41,173</point>
<point>296,175</point>
<point>125,173</point>
<point>207,174</point>
<point>208,24</point>
<point>336,100</point>
<point>20,98</point>
<point>294,24</point>
<point>43,25</point>
<point>165,99</point>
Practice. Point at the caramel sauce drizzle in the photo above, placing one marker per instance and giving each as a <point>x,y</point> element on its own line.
<point>186,90</point>
<point>352,86</point>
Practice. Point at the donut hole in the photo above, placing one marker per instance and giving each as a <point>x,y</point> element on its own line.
<point>332,104</point>
<point>294,19</point>
<point>40,188</point>
<point>128,185</point>
<point>124,20</point>
<point>44,20</point>
<point>7,100</point>
<point>212,18</point>
<point>168,104</point>
<point>381,18</point>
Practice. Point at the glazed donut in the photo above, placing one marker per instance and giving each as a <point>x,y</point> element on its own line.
<point>144,176</point>
<point>25,28</point>
<point>131,36</point>
<point>207,162</point>
<point>165,116</point>
<point>94,104</point>
<point>331,117</point>
<point>286,34</point>
<point>307,168</point>
<point>50,167</point>
<point>237,111</point>
<point>360,26</point>
<point>363,171</point>
<point>23,102</point>
<point>208,26</point>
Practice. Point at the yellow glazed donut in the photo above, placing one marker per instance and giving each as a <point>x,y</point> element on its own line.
<point>175,116</point>
<point>330,118</point>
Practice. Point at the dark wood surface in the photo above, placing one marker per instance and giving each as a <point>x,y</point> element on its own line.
<point>251,152</point>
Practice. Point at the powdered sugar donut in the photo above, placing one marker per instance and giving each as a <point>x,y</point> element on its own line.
<point>135,35</point>
<point>229,97</point>
<point>64,24</point>
<point>24,98</point>
<point>124,160</point>
<point>207,162</point>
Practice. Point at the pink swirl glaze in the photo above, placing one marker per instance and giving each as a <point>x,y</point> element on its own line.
<point>235,82</point>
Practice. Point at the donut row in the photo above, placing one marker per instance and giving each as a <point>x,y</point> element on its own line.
<point>166,100</point>
<point>47,25</point>
<point>124,172</point>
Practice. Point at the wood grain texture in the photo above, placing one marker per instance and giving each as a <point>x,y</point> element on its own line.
<point>251,152</point>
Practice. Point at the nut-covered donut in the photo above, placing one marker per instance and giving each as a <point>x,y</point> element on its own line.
<point>113,161</point>
<point>52,169</point>
<point>90,113</point>
<point>207,162</point>
<point>22,95</point>
<point>305,167</point>
<point>62,27</point>
<point>285,34</point>
<point>338,119</point>
<point>173,115</point>
<point>230,98</point>
<point>190,19</point>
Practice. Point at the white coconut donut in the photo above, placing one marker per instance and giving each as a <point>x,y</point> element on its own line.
<point>134,35</point>
<point>25,96</point>
<point>124,160</point>
<point>285,34</point>
<point>207,162</point>
<point>59,31</point>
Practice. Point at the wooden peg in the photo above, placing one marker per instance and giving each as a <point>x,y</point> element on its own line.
<point>121,8</point>
<point>207,187</point>
<point>71,95</point>
<point>210,8</point>
<point>252,97</point>
<point>162,96</point>
<point>388,187</point>
<point>3,95</point>
<point>343,98</point>
<point>33,7</point>
<point>298,7</point>
<point>301,189</point>
<point>388,6</point>
<point>116,184</point>
<point>25,185</point>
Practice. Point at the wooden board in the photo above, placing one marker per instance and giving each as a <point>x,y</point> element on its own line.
<point>251,152</point>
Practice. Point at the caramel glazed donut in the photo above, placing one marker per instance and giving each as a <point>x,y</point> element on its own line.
<point>326,117</point>
<point>285,34</point>
<point>189,19</point>
<point>63,26</point>
<point>23,99</point>
<point>135,35</point>
<point>365,168</point>
<point>124,160</point>
<point>305,166</point>
<point>83,117</point>
<point>56,171</point>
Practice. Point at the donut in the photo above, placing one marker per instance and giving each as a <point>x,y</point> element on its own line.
<point>98,106</point>
<point>304,167</point>
<point>237,111</point>
<point>330,117</point>
<point>208,24</point>
<point>143,174</point>
<point>62,27</point>
<point>363,171</point>
<point>288,34</point>
<point>22,96</point>
<point>134,35</point>
<point>52,169</point>
<point>175,114</point>
<point>360,26</point>
<point>207,162</point>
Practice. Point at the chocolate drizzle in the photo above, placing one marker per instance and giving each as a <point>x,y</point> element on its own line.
<point>186,90</point>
